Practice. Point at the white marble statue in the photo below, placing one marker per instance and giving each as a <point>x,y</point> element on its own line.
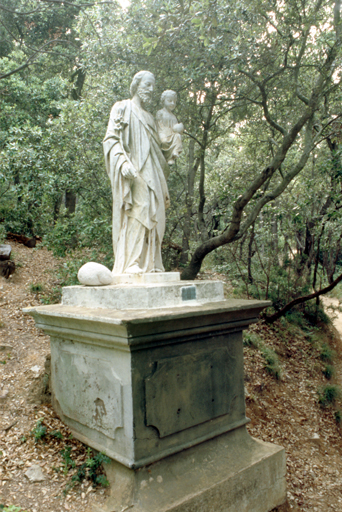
<point>137,170</point>
<point>169,129</point>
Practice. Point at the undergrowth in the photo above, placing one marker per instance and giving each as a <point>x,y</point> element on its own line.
<point>272,365</point>
<point>328,395</point>
<point>91,469</point>
<point>312,329</point>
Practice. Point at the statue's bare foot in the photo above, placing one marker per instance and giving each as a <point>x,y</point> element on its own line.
<point>134,269</point>
<point>157,270</point>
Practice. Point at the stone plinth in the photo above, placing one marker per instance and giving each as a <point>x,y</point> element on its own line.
<point>147,278</point>
<point>141,295</point>
<point>142,384</point>
<point>161,390</point>
<point>230,473</point>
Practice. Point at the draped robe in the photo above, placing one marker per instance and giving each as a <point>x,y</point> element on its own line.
<point>138,204</point>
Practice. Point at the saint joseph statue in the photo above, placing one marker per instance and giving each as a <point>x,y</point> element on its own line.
<point>137,170</point>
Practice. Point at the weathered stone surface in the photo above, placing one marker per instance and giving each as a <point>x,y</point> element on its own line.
<point>188,390</point>
<point>144,295</point>
<point>110,368</point>
<point>169,129</point>
<point>146,278</point>
<point>100,407</point>
<point>161,392</point>
<point>231,473</point>
<point>94,274</point>
<point>137,170</point>
<point>5,252</point>
<point>35,473</point>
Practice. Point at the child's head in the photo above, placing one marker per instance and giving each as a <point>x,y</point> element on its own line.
<point>169,99</point>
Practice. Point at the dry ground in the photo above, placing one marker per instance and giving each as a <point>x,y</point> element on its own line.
<point>285,412</point>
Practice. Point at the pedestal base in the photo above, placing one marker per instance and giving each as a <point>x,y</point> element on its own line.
<point>139,295</point>
<point>230,473</point>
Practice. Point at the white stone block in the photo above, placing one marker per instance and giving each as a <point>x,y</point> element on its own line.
<point>144,295</point>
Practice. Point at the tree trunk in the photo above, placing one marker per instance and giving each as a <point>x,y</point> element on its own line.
<point>250,255</point>
<point>70,201</point>
<point>56,207</point>
<point>192,169</point>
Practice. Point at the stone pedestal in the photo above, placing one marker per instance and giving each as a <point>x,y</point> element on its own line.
<point>229,473</point>
<point>161,392</point>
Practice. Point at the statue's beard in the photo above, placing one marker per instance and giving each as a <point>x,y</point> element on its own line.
<point>145,97</point>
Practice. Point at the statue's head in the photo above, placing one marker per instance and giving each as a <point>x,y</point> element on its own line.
<point>169,99</point>
<point>143,85</point>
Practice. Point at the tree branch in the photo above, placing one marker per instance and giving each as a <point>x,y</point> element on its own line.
<point>58,2</point>
<point>193,137</point>
<point>261,87</point>
<point>300,300</point>
<point>30,60</point>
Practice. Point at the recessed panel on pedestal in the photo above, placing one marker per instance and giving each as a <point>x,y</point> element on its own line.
<point>188,390</point>
<point>89,391</point>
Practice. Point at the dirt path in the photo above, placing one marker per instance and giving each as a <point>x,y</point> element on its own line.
<point>332,306</point>
<point>24,399</point>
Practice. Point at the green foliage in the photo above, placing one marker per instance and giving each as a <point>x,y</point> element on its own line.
<point>315,314</point>
<point>296,318</point>
<point>36,287</point>
<point>39,431</point>
<point>67,463</point>
<point>272,362</point>
<point>338,416</point>
<point>91,470</point>
<point>53,297</point>
<point>63,237</point>
<point>11,508</point>
<point>251,339</point>
<point>328,371</point>
<point>3,234</point>
<point>272,365</point>
<point>57,434</point>
<point>327,353</point>
<point>328,395</point>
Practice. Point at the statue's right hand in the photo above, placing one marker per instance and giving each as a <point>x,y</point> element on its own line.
<point>128,171</point>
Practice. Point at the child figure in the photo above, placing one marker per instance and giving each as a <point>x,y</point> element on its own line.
<point>169,129</point>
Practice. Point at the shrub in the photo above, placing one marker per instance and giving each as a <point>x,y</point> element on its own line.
<point>272,362</point>
<point>329,371</point>
<point>251,339</point>
<point>297,318</point>
<point>327,353</point>
<point>39,431</point>
<point>3,234</point>
<point>328,395</point>
<point>36,287</point>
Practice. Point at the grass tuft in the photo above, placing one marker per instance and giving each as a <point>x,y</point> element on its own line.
<point>328,395</point>
<point>251,339</point>
<point>327,353</point>
<point>36,287</point>
<point>329,371</point>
